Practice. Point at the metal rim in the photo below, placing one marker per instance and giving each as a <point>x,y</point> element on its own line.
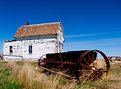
<point>92,68</point>
<point>41,59</point>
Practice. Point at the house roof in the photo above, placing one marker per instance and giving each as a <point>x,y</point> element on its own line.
<point>38,29</point>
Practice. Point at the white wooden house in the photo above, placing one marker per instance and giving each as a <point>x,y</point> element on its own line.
<point>33,41</point>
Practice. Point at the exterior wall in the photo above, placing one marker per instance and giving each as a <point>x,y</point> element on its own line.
<point>60,40</point>
<point>40,46</point>
<point>17,48</point>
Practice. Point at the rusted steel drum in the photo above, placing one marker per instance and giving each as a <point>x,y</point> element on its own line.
<point>83,65</point>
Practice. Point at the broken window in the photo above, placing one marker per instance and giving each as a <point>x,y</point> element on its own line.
<point>11,49</point>
<point>30,49</point>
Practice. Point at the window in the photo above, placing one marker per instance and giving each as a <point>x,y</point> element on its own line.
<point>10,49</point>
<point>30,49</point>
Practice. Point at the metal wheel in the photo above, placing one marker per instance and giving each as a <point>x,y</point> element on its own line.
<point>41,60</point>
<point>93,65</point>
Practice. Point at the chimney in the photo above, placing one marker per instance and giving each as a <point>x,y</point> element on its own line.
<point>27,23</point>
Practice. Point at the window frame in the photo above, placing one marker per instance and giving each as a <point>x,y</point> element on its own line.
<point>30,49</point>
<point>11,49</point>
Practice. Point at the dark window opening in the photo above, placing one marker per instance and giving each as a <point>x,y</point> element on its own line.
<point>11,49</point>
<point>30,49</point>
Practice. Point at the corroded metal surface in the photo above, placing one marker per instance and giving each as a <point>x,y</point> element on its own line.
<point>82,65</point>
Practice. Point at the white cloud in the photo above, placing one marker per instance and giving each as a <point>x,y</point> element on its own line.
<point>87,35</point>
<point>83,35</point>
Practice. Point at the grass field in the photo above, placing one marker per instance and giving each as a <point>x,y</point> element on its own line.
<point>26,75</point>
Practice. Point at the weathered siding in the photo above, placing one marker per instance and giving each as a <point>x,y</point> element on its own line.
<point>17,48</point>
<point>60,40</point>
<point>39,47</point>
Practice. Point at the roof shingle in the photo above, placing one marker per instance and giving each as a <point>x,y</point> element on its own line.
<point>38,29</point>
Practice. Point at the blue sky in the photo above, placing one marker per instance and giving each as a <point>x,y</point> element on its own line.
<point>88,24</point>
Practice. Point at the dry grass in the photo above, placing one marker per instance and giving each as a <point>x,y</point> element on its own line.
<point>25,75</point>
<point>30,77</point>
<point>22,73</point>
<point>115,78</point>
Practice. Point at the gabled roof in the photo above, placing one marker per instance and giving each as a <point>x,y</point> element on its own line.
<point>38,29</point>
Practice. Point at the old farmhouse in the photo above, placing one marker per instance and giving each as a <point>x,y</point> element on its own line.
<point>33,41</point>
